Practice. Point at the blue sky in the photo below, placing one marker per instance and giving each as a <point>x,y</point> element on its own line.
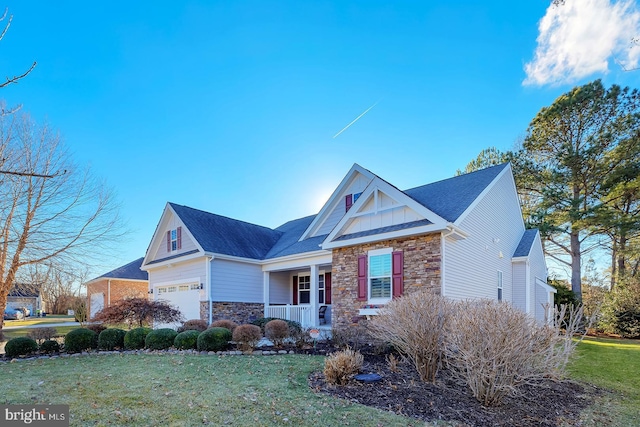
<point>231,107</point>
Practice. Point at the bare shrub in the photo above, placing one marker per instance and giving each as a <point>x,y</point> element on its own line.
<point>193,325</point>
<point>224,323</point>
<point>42,334</point>
<point>416,325</point>
<point>340,366</point>
<point>494,348</point>
<point>247,336</point>
<point>300,337</point>
<point>277,331</point>
<point>392,361</point>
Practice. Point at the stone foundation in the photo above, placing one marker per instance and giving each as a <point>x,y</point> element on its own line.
<point>239,312</point>
<point>422,261</point>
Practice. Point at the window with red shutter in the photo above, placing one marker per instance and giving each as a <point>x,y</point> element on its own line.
<point>295,290</point>
<point>397,262</point>
<point>362,278</point>
<point>327,288</point>
<point>348,202</point>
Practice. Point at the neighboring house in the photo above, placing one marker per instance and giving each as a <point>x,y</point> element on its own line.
<point>124,282</point>
<point>25,296</point>
<point>462,237</point>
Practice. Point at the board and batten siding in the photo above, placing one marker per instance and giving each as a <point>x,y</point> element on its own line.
<point>394,214</point>
<point>280,287</point>
<point>494,227</point>
<point>357,185</point>
<point>233,281</point>
<point>179,273</point>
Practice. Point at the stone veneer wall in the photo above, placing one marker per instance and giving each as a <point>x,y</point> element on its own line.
<point>239,312</point>
<point>422,261</point>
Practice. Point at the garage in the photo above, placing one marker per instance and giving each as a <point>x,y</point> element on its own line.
<point>185,298</point>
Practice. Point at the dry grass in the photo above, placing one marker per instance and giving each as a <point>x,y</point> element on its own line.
<point>340,366</point>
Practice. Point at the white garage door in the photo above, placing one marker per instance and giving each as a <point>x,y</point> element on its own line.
<point>185,298</point>
<point>97,303</point>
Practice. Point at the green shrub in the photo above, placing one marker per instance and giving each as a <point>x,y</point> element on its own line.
<point>247,336</point>
<point>96,327</point>
<point>276,331</point>
<point>225,323</point>
<point>214,339</point>
<point>79,340</point>
<point>111,338</point>
<point>50,346</point>
<point>20,346</point>
<point>293,326</point>
<point>186,340</point>
<point>193,325</point>
<point>160,339</point>
<point>134,338</point>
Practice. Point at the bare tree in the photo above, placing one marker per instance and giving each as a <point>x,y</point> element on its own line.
<point>14,79</point>
<point>66,218</point>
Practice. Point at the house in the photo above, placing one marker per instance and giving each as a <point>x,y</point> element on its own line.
<point>462,237</point>
<point>124,282</point>
<point>26,296</point>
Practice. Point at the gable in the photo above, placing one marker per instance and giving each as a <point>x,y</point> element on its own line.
<point>161,247</point>
<point>382,212</point>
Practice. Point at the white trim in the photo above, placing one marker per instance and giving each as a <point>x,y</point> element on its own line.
<point>546,287</point>
<point>336,197</point>
<point>178,282</point>
<point>372,253</point>
<point>407,232</point>
<point>484,192</point>
<point>443,244</point>
<point>297,261</point>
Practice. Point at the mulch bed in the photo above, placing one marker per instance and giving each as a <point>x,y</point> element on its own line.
<point>402,392</point>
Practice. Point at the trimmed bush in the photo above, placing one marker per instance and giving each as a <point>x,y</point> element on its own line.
<point>276,331</point>
<point>79,340</point>
<point>186,340</point>
<point>134,338</point>
<point>247,336</point>
<point>214,339</point>
<point>160,339</point>
<point>225,323</point>
<point>20,346</point>
<point>111,338</point>
<point>264,320</point>
<point>340,366</point>
<point>193,325</point>
<point>50,346</point>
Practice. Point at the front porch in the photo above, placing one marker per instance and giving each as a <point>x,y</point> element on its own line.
<point>304,314</point>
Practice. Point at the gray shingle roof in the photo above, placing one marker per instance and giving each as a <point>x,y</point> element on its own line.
<point>288,243</point>
<point>451,197</point>
<point>128,271</point>
<point>524,247</point>
<point>223,235</point>
<point>387,229</point>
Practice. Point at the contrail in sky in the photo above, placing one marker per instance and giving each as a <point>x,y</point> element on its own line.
<point>356,119</point>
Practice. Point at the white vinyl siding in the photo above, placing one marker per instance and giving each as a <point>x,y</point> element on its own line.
<point>280,288</point>
<point>519,285</point>
<point>357,186</point>
<point>538,270</point>
<point>179,272</point>
<point>233,281</point>
<point>494,228</point>
<point>388,212</point>
<point>188,244</point>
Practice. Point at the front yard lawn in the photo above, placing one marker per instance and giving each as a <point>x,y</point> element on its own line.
<point>186,390</point>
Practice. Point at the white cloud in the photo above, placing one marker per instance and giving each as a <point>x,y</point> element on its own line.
<point>582,37</point>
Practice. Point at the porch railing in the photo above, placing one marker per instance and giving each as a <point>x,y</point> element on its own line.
<point>297,313</point>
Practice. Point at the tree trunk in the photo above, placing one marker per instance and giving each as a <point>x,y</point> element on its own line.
<point>576,266</point>
<point>621,257</point>
<point>614,264</point>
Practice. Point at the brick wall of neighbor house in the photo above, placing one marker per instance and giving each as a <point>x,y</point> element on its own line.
<point>120,289</point>
<point>422,260</point>
<point>239,312</point>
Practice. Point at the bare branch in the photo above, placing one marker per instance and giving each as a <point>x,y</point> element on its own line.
<point>15,79</point>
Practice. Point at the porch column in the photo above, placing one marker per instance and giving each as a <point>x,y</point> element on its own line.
<point>265,292</point>
<point>313,298</point>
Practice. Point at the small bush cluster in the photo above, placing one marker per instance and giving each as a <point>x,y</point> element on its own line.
<point>186,340</point>
<point>225,323</point>
<point>276,331</point>
<point>79,340</point>
<point>20,346</point>
<point>214,339</point>
<point>111,339</point>
<point>134,338</point>
<point>193,325</point>
<point>621,310</point>
<point>160,339</point>
<point>96,327</point>
<point>50,346</point>
<point>247,336</point>
<point>340,366</point>
<point>42,334</point>
<point>262,322</point>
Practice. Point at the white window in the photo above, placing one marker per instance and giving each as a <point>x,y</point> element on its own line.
<point>195,286</point>
<point>172,289</point>
<point>380,275</point>
<point>304,289</point>
<point>174,239</point>
<point>162,290</point>
<point>183,288</point>
<point>499,285</point>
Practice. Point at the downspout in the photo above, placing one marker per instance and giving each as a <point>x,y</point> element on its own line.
<point>209,299</point>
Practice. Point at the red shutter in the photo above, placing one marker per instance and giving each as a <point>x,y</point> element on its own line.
<point>397,263</point>
<point>179,233</point>
<point>295,290</point>
<point>169,241</point>
<point>327,288</point>
<point>348,202</point>
<point>362,277</point>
